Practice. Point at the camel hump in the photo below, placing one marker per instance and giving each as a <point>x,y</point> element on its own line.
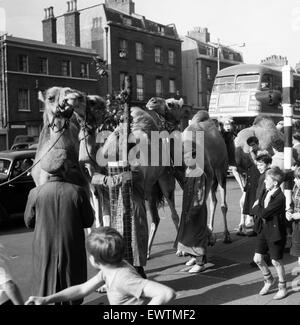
<point>201,116</point>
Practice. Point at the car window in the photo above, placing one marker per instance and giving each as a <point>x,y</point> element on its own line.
<point>4,166</point>
<point>20,166</point>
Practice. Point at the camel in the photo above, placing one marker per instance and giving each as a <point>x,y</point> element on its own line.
<point>215,148</point>
<point>159,180</point>
<point>64,121</point>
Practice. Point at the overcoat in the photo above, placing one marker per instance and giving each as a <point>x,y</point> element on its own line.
<point>271,220</point>
<point>58,212</point>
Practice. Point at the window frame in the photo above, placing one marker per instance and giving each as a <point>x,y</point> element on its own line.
<point>209,73</point>
<point>138,94</point>
<point>170,62</point>
<point>41,65</point>
<point>69,67</point>
<point>122,49</point>
<point>162,87</point>
<point>141,52</point>
<point>160,56</point>
<point>174,83</point>
<point>28,100</point>
<point>26,70</point>
<point>87,72</point>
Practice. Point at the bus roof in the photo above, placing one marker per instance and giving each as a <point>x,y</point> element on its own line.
<point>248,69</point>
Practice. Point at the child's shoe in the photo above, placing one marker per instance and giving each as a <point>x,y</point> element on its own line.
<point>282,291</point>
<point>269,282</point>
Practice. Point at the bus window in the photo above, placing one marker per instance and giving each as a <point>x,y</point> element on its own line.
<point>278,82</point>
<point>247,82</point>
<point>297,89</point>
<point>266,82</point>
<point>224,84</point>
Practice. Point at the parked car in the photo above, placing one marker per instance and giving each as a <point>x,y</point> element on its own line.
<point>26,139</point>
<point>13,196</point>
<point>23,146</point>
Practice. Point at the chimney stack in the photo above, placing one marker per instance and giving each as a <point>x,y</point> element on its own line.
<point>125,6</point>
<point>49,26</point>
<point>72,24</point>
<point>200,34</point>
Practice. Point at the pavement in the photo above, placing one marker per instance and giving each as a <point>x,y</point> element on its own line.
<point>227,280</point>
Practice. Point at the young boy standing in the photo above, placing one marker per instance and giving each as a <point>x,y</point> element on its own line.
<point>271,229</point>
<point>124,285</point>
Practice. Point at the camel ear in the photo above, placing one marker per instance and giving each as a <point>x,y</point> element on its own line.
<point>41,97</point>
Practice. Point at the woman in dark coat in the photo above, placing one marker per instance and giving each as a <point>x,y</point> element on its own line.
<point>58,211</point>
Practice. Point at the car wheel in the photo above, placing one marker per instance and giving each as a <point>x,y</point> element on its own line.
<point>3,215</point>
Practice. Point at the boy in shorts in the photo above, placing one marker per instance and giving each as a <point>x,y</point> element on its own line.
<point>271,229</point>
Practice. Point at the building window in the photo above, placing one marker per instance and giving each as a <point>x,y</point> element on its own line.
<point>123,50</point>
<point>127,21</point>
<point>172,86</point>
<point>161,29</point>
<point>140,87</point>
<point>171,57</point>
<point>159,87</point>
<point>23,100</point>
<point>122,79</point>
<point>33,131</point>
<point>44,65</point>
<point>158,55</point>
<point>208,73</point>
<point>139,51</point>
<point>84,70</point>
<point>66,68</point>
<point>231,56</point>
<point>207,98</point>
<point>23,63</point>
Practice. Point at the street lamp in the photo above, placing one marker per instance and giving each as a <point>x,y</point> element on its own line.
<point>219,48</point>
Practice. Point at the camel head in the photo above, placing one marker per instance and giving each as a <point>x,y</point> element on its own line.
<point>59,104</point>
<point>93,114</point>
<point>171,109</point>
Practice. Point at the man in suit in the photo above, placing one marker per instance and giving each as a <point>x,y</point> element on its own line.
<point>271,229</point>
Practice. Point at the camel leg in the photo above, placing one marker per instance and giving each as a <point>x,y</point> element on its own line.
<point>224,209</point>
<point>238,178</point>
<point>212,208</point>
<point>168,190</point>
<point>154,223</point>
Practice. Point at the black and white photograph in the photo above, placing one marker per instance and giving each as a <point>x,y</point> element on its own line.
<point>149,155</point>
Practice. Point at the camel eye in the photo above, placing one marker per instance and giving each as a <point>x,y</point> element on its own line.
<point>51,98</point>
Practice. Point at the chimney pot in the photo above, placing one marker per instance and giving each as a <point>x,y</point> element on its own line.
<point>68,3</point>
<point>45,13</point>
<point>75,5</point>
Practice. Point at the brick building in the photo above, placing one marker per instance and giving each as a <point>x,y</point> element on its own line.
<point>131,44</point>
<point>27,66</point>
<point>200,65</point>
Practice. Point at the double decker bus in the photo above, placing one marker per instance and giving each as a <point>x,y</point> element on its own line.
<point>245,91</point>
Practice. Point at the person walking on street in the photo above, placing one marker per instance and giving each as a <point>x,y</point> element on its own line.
<point>58,212</point>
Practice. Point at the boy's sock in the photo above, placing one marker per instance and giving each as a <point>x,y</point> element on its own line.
<point>282,291</point>
<point>269,282</point>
